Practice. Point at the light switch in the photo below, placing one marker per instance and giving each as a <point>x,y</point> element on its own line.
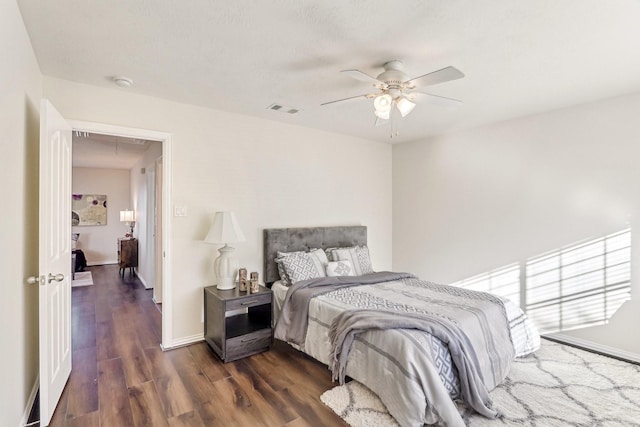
<point>180,211</point>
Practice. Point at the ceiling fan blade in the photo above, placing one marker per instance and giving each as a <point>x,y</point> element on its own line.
<point>366,95</point>
<point>442,101</point>
<point>363,77</point>
<point>445,74</point>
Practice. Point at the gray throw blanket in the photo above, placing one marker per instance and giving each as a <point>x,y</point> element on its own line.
<point>293,320</point>
<point>350,323</point>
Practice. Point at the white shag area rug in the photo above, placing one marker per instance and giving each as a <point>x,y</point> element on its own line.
<point>82,278</point>
<point>558,386</point>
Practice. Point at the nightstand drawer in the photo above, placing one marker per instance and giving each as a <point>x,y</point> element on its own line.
<point>249,301</point>
<point>248,344</point>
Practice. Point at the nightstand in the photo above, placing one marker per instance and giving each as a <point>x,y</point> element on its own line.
<point>237,324</point>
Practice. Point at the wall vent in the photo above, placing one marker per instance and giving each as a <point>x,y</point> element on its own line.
<point>283,109</point>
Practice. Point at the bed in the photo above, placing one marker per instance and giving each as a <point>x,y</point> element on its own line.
<point>414,372</point>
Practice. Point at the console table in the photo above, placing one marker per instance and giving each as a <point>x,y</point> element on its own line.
<point>127,254</point>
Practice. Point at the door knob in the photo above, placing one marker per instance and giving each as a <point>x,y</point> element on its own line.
<point>35,280</point>
<point>58,277</point>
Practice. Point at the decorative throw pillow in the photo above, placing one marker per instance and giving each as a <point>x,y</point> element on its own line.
<point>281,271</point>
<point>283,274</point>
<point>340,268</point>
<point>359,257</point>
<point>329,253</point>
<point>299,266</point>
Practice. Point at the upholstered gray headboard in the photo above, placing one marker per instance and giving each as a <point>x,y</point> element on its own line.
<point>303,239</point>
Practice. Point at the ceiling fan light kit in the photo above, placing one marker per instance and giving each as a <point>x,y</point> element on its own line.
<point>382,103</point>
<point>394,86</point>
<point>404,105</point>
<point>383,114</point>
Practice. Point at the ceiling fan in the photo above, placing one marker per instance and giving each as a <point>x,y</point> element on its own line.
<point>396,92</point>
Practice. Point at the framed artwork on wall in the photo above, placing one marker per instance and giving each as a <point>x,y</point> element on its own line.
<point>88,209</point>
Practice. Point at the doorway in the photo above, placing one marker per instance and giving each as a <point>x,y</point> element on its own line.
<point>150,196</point>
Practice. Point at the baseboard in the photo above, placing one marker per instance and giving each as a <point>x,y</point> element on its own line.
<point>184,341</point>
<point>144,282</point>
<point>598,348</point>
<point>30,402</point>
<point>107,262</point>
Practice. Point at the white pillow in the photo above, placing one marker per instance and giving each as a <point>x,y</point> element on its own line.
<point>340,268</point>
<point>359,257</point>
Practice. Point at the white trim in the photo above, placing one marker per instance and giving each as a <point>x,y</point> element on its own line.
<point>167,179</point>
<point>181,342</point>
<point>144,282</point>
<point>109,261</point>
<point>30,402</point>
<point>634,357</point>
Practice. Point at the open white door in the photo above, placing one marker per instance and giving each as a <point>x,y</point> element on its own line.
<point>54,258</point>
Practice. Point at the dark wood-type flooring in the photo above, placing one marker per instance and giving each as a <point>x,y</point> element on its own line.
<point>121,377</point>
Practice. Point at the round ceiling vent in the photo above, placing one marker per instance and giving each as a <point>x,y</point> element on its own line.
<point>123,81</point>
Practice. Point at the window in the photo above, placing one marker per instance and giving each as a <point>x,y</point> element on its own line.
<point>576,286</point>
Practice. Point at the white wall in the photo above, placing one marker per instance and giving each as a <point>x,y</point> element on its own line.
<point>477,200</point>
<point>271,174</point>
<point>20,92</point>
<point>100,242</point>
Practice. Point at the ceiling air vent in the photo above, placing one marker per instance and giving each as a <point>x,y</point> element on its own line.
<point>283,109</point>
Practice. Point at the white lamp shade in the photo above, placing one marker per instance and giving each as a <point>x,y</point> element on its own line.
<point>225,229</point>
<point>383,103</point>
<point>126,216</point>
<point>383,114</point>
<point>405,106</point>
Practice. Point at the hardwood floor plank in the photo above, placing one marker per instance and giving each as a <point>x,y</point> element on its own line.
<point>208,362</point>
<point>59,418</point>
<point>311,408</point>
<point>146,406</point>
<point>134,360</point>
<point>88,420</point>
<point>102,310</point>
<point>83,383</point>
<point>83,399</point>
<point>298,422</point>
<point>173,395</point>
<point>113,394</point>
<point>105,340</point>
<point>189,419</point>
<point>195,381</point>
<point>145,330</point>
<point>229,408</point>
<point>159,363</point>
<point>266,403</point>
<point>83,330</point>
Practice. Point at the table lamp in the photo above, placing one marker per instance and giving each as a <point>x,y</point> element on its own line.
<point>128,217</point>
<point>224,230</point>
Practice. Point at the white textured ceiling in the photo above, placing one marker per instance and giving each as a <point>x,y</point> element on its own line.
<point>519,57</point>
<point>91,150</point>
